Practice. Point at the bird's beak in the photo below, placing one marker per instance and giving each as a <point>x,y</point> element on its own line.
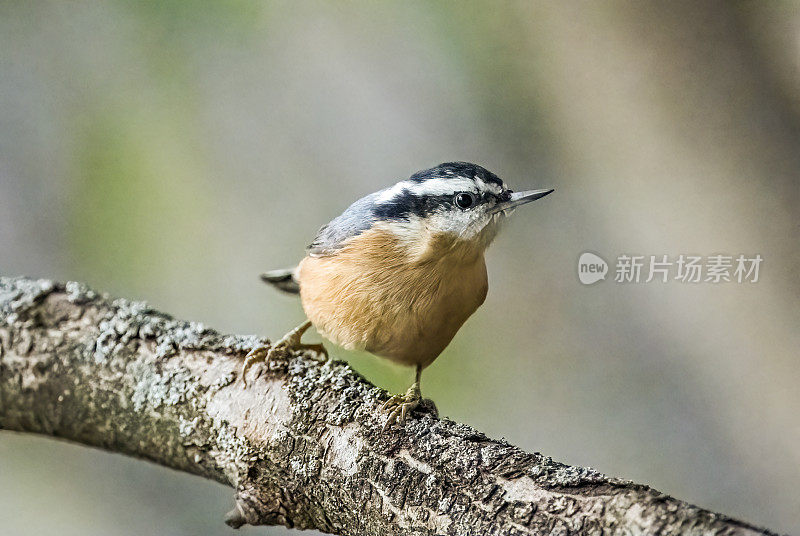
<point>520,198</point>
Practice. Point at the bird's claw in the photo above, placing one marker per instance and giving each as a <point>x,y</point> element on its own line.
<point>257,355</point>
<point>400,406</point>
<point>281,350</point>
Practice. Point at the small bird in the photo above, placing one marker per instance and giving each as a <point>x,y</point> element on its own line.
<point>399,271</point>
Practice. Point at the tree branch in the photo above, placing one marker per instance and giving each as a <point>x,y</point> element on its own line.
<point>302,445</point>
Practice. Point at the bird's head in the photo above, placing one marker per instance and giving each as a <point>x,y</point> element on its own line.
<point>455,204</point>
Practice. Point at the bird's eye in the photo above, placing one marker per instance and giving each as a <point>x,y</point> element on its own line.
<point>464,200</point>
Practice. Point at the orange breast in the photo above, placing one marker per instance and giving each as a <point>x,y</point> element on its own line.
<point>372,295</point>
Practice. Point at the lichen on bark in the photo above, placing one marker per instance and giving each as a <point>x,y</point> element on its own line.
<point>303,445</point>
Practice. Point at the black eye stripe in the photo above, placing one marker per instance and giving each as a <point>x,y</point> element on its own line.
<point>407,203</point>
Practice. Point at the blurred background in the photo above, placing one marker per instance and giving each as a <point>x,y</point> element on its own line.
<point>172,150</point>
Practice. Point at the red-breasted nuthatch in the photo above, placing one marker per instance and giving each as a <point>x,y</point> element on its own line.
<point>399,272</point>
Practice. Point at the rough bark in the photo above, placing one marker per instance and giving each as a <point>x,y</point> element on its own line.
<point>302,445</point>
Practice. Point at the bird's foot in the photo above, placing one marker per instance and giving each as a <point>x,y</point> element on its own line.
<point>282,349</point>
<point>399,406</point>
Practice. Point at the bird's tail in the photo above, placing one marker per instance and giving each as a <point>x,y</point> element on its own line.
<point>282,280</point>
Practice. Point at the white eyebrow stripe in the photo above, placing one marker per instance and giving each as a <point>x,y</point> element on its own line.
<point>429,187</point>
<point>443,186</point>
<point>389,193</point>
<point>488,186</point>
